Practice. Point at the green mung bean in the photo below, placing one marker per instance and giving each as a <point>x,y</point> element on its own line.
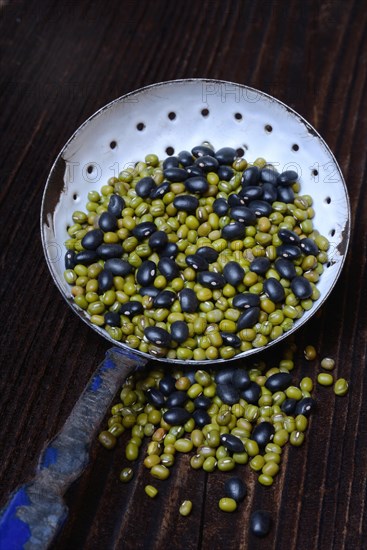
<point>341,387</point>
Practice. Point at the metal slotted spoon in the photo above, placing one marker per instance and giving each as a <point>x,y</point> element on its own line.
<point>163,118</point>
<point>170,116</point>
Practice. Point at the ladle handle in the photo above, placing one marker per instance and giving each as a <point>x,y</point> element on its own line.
<point>36,511</point>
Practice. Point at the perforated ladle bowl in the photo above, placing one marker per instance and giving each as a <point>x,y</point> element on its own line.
<point>168,117</point>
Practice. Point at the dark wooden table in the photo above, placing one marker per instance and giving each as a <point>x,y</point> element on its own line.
<point>61,61</point>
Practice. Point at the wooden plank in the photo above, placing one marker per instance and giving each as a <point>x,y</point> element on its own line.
<point>61,61</point>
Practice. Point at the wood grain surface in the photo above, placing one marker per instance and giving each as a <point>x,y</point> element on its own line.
<point>60,62</point>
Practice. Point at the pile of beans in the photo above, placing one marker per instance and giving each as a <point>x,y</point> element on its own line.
<point>201,256</point>
<point>223,418</point>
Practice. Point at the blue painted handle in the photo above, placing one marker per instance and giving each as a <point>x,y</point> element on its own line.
<point>36,511</point>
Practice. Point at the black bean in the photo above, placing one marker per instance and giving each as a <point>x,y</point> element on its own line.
<point>251,192</point>
<point>151,291</point>
<point>234,231</point>
<point>260,265</point>
<point>260,523</point>
<point>175,174</point>
<point>144,230</point>
<point>190,374</point>
<point>194,170</point>
<point>241,379</point>
<point>224,376</point>
<point>176,399</point>
<point>225,173</point>
<point>285,194</point>
<point>269,175</point>
<point>235,488</point>
<point>107,222</point>
<point>167,384</point>
<point>260,208</point>
<point>308,246</point>
<point>158,336</point>
<point>263,433</point>
<point>186,203</point>
<point>115,205</point>
<point>208,253</point>
<point>159,191</point>
<point>210,279</point>
<point>197,184</point>
<point>227,393</point>
<point>179,331</point>
<point>289,406</point>
<point>202,402</point>
<point>274,290</point>
<point>177,416</point>
<point>201,150</point>
<point>270,192</point>
<point>158,240</point>
<point>246,300</point>
<point>86,257</point>
<point>107,250</point>
<point>278,382</point>
<point>112,319</point>
<point>155,397</point>
<point>251,394</point>
<point>188,300</point>
<point>251,176</point>
<point>168,268</point>
<point>92,239</point>
<point>197,262</point>
<point>233,273</point>
<point>220,207</point>
<point>169,251</point>
<point>131,308</point>
<point>225,155</point>
<point>232,443</point>
<point>145,186</point>
<point>305,406</point>
<point>207,163</point>
<point>301,287</point>
<point>164,299</point>
<point>105,280</point>
<point>248,318</point>
<point>285,268</point>
<point>234,199</point>
<point>70,262</point>
<point>230,339</point>
<point>288,177</point>
<point>289,251</point>
<point>171,162</point>
<point>119,267</point>
<point>146,273</point>
<point>201,418</point>
<point>288,237</point>
<point>185,158</point>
